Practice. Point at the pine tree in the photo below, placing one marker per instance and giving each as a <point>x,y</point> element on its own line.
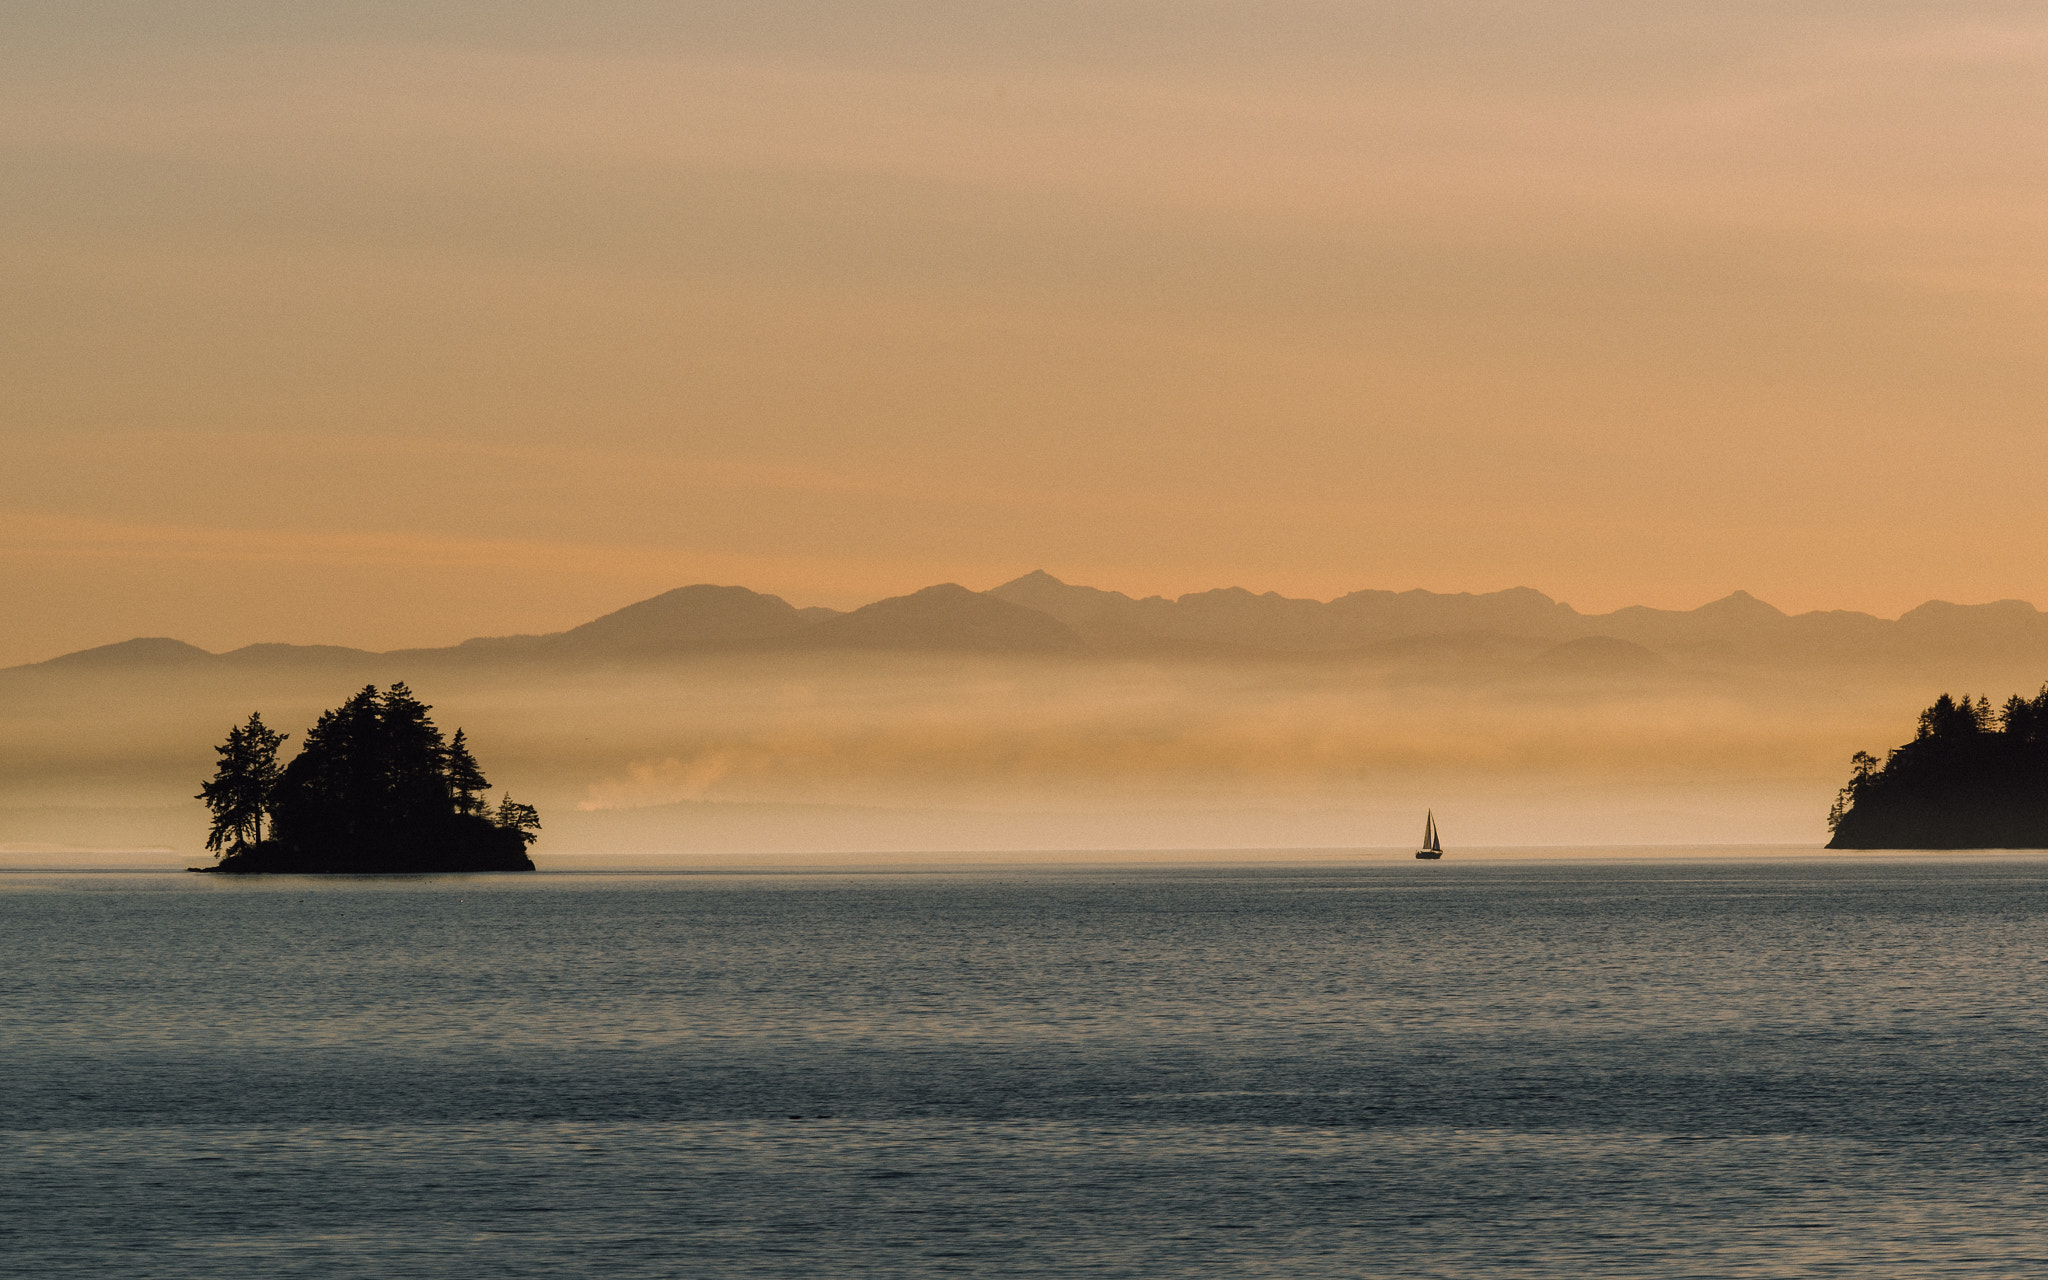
<point>335,783</point>
<point>466,781</point>
<point>239,793</point>
<point>415,759</point>
<point>374,787</point>
<point>513,816</point>
<point>1968,779</point>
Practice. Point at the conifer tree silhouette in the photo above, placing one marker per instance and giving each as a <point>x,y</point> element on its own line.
<point>1971,778</point>
<point>238,794</point>
<point>522,818</point>
<point>374,787</point>
<point>466,781</point>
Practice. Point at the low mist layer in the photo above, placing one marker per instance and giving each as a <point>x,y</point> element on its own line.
<point>890,752</point>
<point>1042,716</point>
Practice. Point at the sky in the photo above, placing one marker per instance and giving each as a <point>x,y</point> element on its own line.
<point>392,324</point>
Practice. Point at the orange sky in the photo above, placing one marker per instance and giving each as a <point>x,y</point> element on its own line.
<point>393,325</point>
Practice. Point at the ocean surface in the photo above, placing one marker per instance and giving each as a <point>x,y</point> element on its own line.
<point>1808,1066</point>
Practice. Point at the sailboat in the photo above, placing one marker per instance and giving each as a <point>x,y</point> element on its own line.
<point>1432,847</point>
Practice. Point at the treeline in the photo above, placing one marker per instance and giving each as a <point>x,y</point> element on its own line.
<point>1971,778</point>
<point>374,788</point>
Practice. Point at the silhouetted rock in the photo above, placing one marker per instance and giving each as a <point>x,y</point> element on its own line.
<point>458,845</point>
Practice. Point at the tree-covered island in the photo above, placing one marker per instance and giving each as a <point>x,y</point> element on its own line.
<point>374,789</point>
<point>1971,778</point>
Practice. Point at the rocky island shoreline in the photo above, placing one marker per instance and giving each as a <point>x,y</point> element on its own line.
<point>1971,778</point>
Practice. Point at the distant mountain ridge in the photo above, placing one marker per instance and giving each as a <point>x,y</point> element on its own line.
<point>1737,627</point>
<point>1039,614</point>
<point>1237,617</point>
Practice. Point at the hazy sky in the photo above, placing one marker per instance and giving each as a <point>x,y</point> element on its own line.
<point>393,323</point>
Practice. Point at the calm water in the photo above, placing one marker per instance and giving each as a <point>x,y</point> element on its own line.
<point>1794,1068</point>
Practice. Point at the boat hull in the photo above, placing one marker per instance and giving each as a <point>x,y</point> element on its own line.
<point>1431,854</point>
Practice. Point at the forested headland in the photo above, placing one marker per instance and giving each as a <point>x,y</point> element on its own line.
<point>374,788</point>
<point>1971,778</point>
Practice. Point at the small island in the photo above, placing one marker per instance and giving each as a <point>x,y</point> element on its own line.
<point>374,789</point>
<point>1971,778</point>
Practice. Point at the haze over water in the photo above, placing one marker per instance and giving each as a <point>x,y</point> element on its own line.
<point>1780,1066</point>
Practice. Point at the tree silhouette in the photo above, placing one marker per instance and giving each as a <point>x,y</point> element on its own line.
<point>1969,779</point>
<point>466,781</point>
<point>374,787</point>
<point>238,795</point>
<point>522,818</point>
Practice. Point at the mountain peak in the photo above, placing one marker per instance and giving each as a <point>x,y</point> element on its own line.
<point>1035,578</point>
<point>688,617</point>
<point>946,616</point>
<point>1740,604</point>
<point>2006,617</point>
<point>144,651</point>
<point>1038,612</point>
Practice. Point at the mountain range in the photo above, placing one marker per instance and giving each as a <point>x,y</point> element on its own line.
<point>1039,614</point>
